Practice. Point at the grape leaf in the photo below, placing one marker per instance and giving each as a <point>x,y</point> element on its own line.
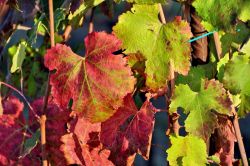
<point>246,47</point>
<point>18,57</point>
<point>13,132</point>
<point>201,121</point>
<point>244,14</point>
<point>236,37</point>
<point>56,123</point>
<point>186,151</point>
<point>76,18</point>
<point>146,1</point>
<point>38,27</point>
<point>223,141</point>
<point>59,16</point>
<point>237,81</point>
<point>199,47</point>
<point>129,131</point>
<point>137,64</point>
<point>97,82</point>
<point>161,44</point>
<point>193,79</point>
<point>221,67</point>
<point>221,14</point>
<point>82,146</point>
<point>30,143</point>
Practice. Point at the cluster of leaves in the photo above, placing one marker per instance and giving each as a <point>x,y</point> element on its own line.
<point>92,118</point>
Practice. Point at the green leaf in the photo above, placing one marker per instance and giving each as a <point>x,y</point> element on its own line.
<point>12,50</point>
<point>220,13</point>
<point>18,58</point>
<point>236,79</point>
<point>215,159</point>
<point>76,18</point>
<point>246,48</point>
<point>30,144</point>
<point>187,151</point>
<point>236,37</point>
<point>146,1</point>
<point>193,79</point>
<point>38,27</point>
<point>244,15</point>
<point>221,67</point>
<point>161,44</point>
<point>201,121</point>
<point>59,15</point>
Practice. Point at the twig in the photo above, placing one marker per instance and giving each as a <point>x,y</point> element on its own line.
<point>239,140</point>
<point>22,95</point>
<point>91,22</point>
<point>174,117</point>
<point>51,23</point>
<point>235,119</point>
<point>43,139</point>
<point>45,101</point>
<point>67,32</point>
<point>217,44</point>
<point>162,16</point>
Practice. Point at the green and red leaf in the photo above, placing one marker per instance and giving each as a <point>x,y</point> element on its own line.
<point>97,83</point>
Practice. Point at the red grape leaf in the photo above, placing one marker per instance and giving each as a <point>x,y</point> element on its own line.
<point>97,83</point>
<point>12,135</point>
<point>129,131</point>
<point>223,141</point>
<point>82,146</point>
<point>56,123</point>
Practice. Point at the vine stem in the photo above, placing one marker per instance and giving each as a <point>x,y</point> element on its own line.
<point>239,140</point>
<point>47,92</point>
<point>174,118</point>
<point>235,118</point>
<point>51,23</point>
<point>217,44</point>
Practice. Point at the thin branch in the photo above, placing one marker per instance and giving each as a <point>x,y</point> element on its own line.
<point>235,119</point>
<point>91,22</point>
<point>66,34</point>
<point>217,44</point>
<point>173,119</point>
<point>43,139</point>
<point>22,95</point>
<point>51,23</point>
<point>239,140</point>
<point>46,97</point>
<point>162,16</point>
